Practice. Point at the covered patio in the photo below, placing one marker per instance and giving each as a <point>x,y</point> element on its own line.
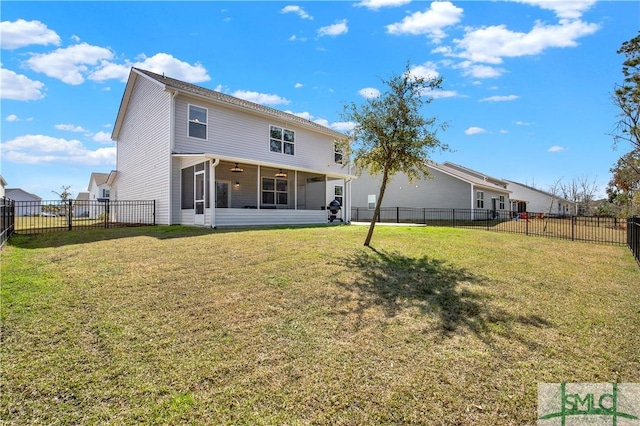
<point>248,193</point>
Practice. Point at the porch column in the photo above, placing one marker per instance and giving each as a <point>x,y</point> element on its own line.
<point>259,187</point>
<point>212,192</point>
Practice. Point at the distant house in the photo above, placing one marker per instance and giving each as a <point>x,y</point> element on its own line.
<point>99,192</point>
<point>3,184</point>
<point>211,159</point>
<point>525,198</point>
<point>27,204</point>
<point>81,205</point>
<point>450,186</point>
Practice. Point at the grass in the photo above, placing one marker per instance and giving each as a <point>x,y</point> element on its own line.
<point>175,325</point>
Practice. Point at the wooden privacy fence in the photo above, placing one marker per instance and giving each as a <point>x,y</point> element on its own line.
<point>33,217</point>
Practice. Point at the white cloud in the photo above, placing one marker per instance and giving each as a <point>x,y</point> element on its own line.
<point>19,87</point>
<point>500,98</point>
<point>522,123</point>
<point>69,64</point>
<point>297,10</point>
<point>427,71</point>
<point>369,92</point>
<point>336,29</point>
<point>22,33</point>
<point>260,98</point>
<point>160,63</point>
<point>475,131</point>
<point>39,149</point>
<point>503,132</point>
<point>297,85</point>
<point>70,128</point>
<point>306,115</point>
<point>479,71</point>
<point>102,137</point>
<point>493,43</point>
<point>439,94</point>
<point>377,4</point>
<point>343,126</point>
<point>556,148</point>
<point>570,9</point>
<point>13,118</point>
<point>431,22</point>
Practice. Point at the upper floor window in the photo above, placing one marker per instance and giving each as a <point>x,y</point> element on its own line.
<point>197,122</point>
<point>337,153</point>
<point>480,199</point>
<point>282,140</point>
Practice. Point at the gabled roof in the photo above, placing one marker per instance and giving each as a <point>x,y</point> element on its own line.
<point>472,177</point>
<point>8,192</point>
<point>2,181</point>
<point>548,194</point>
<point>83,196</point>
<point>174,85</point>
<point>99,178</point>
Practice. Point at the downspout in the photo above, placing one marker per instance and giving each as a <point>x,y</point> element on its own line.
<point>172,144</point>
<point>347,188</point>
<point>212,192</point>
<point>473,212</point>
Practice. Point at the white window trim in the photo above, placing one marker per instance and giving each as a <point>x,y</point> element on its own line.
<point>294,143</point>
<point>337,150</point>
<point>275,191</point>
<point>480,199</point>
<point>206,124</point>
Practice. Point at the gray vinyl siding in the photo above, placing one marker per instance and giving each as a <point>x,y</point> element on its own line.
<point>143,159</point>
<point>439,191</point>
<point>236,133</point>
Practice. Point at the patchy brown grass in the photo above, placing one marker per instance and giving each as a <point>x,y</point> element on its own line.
<point>173,325</point>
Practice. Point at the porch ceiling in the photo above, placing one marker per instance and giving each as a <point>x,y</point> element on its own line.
<point>246,161</point>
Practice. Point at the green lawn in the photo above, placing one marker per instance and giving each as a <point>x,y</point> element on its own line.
<point>175,325</point>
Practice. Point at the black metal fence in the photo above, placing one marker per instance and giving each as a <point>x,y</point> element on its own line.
<point>604,230</point>
<point>33,217</point>
<point>633,236</point>
<point>7,219</point>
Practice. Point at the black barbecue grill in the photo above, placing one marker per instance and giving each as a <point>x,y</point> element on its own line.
<point>334,208</point>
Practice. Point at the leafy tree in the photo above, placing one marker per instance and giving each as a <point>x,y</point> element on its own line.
<point>64,195</point>
<point>391,135</point>
<point>624,186</point>
<point>627,97</point>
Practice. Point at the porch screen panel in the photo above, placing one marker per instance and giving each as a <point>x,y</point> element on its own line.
<point>187,188</point>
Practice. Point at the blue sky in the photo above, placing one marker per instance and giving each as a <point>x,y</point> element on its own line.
<point>526,92</point>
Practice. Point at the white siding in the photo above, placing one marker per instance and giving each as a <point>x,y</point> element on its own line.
<point>247,217</point>
<point>439,191</point>
<point>143,160</point>
<point>539,202</point>
<point>236,133</point>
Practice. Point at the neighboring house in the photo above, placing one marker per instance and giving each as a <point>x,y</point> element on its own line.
<point>82,205</point>
<point>528,199</point>
<point>3,184</point>
<point>27,204</point>
<point>449,186</point>
<point>210,159</point>
<point>99,192</point>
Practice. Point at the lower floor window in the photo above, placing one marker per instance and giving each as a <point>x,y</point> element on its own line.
<point>501,207</point>
<point>275,191</point>
<point>480,200</point>
<point>337,194</point>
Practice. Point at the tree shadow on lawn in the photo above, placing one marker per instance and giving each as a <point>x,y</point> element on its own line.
<point>394,283</point>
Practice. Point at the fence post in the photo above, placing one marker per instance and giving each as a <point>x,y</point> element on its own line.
<point>106,214</point>
<point>70,215</point>
<point>573,227</point>
<point>397,214</point>
<point>154,212</point>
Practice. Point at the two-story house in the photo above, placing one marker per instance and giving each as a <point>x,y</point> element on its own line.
<point>211,159</point>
